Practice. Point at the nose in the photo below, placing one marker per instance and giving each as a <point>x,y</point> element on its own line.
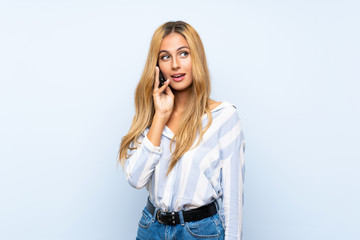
<point>175,63</point>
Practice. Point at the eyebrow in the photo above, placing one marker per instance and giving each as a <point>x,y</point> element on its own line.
<point>176,50</point>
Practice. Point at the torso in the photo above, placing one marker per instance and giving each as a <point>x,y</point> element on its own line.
<point>175,118</point>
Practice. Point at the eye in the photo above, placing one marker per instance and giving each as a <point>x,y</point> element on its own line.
<point>165,57</point>
<point>184,54</point>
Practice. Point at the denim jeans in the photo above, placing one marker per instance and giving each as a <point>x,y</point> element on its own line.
<point>149,228</point>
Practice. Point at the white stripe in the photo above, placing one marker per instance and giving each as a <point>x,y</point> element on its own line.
<point>187,158</point>
<point>212,155</point>
<point>145,174</point>
<point>200,192</point>
<point>226,202</point>
<point>209,158</point>
<point>165,202</point>
<point>156,187</point>
<point>201,187</point>
<point>228,138</point>
<point>220,120</point>
<point>186,162</point>
<point>214,179</point>
<point>241,187</point>
<point>132,161</point>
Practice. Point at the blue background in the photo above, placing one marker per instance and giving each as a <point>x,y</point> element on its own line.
<point>68,71</point>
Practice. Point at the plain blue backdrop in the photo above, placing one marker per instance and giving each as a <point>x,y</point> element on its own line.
<point>68,71</point>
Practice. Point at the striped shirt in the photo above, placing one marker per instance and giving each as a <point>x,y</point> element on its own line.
<point>214,170</point>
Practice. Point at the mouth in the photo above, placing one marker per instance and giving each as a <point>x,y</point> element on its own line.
<point>178,77</point>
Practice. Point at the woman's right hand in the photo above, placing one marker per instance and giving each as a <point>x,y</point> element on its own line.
<point>163,97</point>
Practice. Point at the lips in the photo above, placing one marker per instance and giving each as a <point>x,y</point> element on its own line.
<point>178,76</point>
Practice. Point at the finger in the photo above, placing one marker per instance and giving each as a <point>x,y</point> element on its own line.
<point>156,86</point>
<point>167,87</point>
<point>166,83</point>
<point>168,91</point>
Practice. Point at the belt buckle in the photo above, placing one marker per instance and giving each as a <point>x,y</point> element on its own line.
<point>164,213</point>
<point>158,217</point>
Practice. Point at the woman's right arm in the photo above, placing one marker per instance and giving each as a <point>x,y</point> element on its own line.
<point>141,164</point>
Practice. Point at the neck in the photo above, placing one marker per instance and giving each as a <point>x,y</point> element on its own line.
<point>180,98</point>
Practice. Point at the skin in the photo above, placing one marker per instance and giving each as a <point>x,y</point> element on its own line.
<point>170,99</point>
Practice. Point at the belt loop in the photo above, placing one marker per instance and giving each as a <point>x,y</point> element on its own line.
<point>155,214</point>
<point>181,218</point>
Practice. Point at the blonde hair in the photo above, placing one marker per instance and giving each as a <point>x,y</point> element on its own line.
<point>197,102</point>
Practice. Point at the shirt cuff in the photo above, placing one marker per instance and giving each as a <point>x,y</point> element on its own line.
<point>151,146</point>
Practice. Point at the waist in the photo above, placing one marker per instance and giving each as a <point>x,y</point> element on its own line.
<point>174,217</point>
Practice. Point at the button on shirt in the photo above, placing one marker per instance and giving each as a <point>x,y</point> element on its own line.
<point>214,170</point>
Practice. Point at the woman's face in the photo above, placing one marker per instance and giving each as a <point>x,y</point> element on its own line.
<point>175,61</point>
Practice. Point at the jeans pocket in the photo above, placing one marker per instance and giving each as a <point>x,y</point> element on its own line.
<point>210,227</point>
<point>145,219</point>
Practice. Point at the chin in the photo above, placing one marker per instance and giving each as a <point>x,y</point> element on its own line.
<point>181,88</point>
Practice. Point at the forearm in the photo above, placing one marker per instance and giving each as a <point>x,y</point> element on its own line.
<point>156,129</point>
<point>142,162</point>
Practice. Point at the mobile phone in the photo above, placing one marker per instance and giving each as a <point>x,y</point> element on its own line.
<point>161,78</point>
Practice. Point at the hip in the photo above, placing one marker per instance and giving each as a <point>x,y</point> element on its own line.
<point>152,226</point>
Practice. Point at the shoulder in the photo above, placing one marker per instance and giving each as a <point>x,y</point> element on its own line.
<point>213,104</point>
<point>229,121</point>
<point>226,115</point>
<point>217,105</point>
<point>224,106</point>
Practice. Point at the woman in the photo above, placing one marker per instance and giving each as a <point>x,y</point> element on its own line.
<point>184,147</point>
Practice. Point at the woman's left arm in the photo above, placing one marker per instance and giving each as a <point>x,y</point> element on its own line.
<point>232,148</point>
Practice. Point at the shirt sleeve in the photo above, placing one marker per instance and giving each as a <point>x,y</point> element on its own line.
<point>232,148</point>
<point>141,164</point>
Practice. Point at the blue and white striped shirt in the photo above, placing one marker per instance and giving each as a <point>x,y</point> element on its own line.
<point>213,170</point>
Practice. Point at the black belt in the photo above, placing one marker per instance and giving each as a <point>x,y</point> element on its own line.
<point>172,218</point>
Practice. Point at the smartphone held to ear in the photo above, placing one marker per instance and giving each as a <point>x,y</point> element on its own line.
<point>161,79</point>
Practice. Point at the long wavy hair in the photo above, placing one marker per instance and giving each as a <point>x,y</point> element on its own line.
<point>197,101</point>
